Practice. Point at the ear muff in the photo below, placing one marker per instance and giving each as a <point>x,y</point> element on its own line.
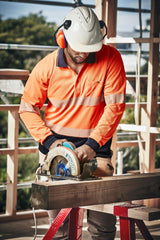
<point>60,38</point>
<point>102,25</point>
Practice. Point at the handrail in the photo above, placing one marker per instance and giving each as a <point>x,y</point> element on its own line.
<point>11,46</point>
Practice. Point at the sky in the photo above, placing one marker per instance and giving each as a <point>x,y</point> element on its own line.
<point>125,21</point>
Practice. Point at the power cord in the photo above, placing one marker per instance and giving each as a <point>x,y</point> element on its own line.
<point>35,224</point>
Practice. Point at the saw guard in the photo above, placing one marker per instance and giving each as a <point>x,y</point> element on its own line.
<point>65,153</point>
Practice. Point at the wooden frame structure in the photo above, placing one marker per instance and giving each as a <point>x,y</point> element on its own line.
<point>106,10</point>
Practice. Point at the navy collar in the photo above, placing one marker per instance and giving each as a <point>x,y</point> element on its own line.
<point>61,62</point>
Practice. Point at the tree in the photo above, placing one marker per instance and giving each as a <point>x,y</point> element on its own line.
<point>25,30</point>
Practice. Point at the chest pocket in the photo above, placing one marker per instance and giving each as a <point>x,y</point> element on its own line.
<point>92,83</point>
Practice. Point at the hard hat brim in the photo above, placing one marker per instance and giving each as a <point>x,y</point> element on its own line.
<point>85,48</point>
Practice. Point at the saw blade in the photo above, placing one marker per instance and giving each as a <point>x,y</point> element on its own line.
<point>62,161</point>
<point>60,167</point>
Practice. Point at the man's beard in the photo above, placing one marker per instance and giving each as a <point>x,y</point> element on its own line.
<point>76,59</point>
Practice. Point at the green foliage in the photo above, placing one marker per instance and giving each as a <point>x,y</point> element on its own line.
<point>3,169</point>
<point>27,30</point>
<point>3,124</point>
<point>32,30</point>
<point>23,199</point>
<point>27,165</point>
<point>2,201</point>
<point>128,116</point>
<point>3,180</point>
<point>130,159</point>
<point>157,156</point>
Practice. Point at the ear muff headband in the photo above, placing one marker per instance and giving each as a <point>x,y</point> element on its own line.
<point>102,25</point>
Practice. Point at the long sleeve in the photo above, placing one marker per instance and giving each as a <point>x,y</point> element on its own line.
<point>114,94</point>
<point>34,96</point>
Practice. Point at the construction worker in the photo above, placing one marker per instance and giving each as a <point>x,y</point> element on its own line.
<point>84,82</point>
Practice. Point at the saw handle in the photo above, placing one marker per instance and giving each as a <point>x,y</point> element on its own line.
<point>68,145</point>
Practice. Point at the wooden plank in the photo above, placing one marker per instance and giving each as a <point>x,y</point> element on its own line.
<point>5,151</point>
<point>111,18</point>
<point>99,6</point>
<point>138,212</point>
<point>21,150</point>
<point>152,86</point>
<point>132,127</point>
<point>130,143</point>
<point>24,150</point>
<point>9,107</point>
<point>142,105</point>
<point>11,74</point>
<point>132,105</point>
<point>107,11</point>
<point>138,128</point>
<point>131,40</point>
<point>133,77</point>
<point>114,150</point>
<point>14,107</point>
<point>12,163</point>
<point>28,214</point>
<point>142,77</point>
<point>144,213</point>
<point>70,193</point>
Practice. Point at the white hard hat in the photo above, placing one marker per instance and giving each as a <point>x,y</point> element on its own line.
<point>83,32</point>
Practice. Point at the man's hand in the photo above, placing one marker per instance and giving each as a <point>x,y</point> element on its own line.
<point>85,153</point>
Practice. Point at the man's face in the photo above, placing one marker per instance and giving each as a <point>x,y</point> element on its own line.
<point>77,57</point>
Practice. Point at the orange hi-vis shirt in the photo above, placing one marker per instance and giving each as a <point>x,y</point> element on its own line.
<point>86,105</point>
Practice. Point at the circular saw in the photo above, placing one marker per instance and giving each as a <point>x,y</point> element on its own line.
<point>61,161</point>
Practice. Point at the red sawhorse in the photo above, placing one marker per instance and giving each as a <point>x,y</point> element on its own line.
<point>127,225</point>
<point>75,223</point>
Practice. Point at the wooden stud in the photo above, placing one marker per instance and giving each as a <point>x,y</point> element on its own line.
<point>137,211</point>
<point>106,10</point>
<point>11,74</point>
<point>152,87</point>
<point>12,162</point>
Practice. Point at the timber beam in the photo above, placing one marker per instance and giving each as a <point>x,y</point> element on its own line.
<point>71,193</point>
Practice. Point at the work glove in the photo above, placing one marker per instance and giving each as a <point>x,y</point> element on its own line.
<point>85,153</point>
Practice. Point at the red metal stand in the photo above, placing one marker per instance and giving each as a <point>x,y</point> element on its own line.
<point>57,223</point>
<point>75,223</point>
<point>127,225</point>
